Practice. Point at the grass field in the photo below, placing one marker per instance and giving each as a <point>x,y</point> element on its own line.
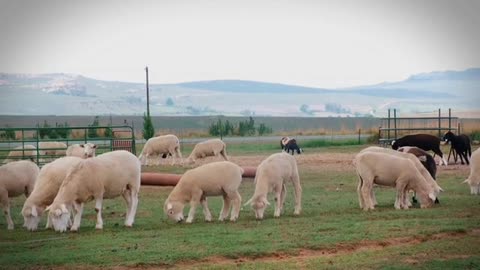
<point>332,232</point>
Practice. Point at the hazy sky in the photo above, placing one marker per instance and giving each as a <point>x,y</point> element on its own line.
<point>311,43</point>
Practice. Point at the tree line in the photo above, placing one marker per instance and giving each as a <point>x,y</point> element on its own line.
<point>242,128</point>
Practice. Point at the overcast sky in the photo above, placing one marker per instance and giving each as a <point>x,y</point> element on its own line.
<point>310,43</point>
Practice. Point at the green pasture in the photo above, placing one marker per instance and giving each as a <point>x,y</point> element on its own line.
<point>331,233</point>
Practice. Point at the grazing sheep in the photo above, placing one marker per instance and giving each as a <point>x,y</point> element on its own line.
<point>425,158</point>
<point>271,175</point>
<point>16,178</point>
<point>161,145</point>
<point>22,152</point>
<point>461,145</point>
<point>212,147</point>
<point>474,179</point>
<point>103,177</point>
<point>389,170</point>
<point>426,142</point>
<point>284,142</point>
<point>52,149</point>
<point>292,146</point>
<point>417,162</point>
<point>86,150</point>
<point>220,178</point>
<point>46,188</point>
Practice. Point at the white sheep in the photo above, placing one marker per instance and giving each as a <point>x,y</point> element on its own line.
<point>212,147</point>
<point>22,152</point>
<point>389,170</point>
<point>52,149</point>
<point>271,175</point>
<point>161,145</point>
<point>16,178</point>
<point>103,177</point>
<point>474,179</point>
<point>417,161</point>
<point>220,178</point>
<point>46,188</point>
<point>86,150</point>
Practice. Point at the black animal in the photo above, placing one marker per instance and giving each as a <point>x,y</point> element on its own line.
<point>426,142</point>
<point>461,145</point>
<point>427,161</point>
<point>283,142</point>
<point>292,146</point>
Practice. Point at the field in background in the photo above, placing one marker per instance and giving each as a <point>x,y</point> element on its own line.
<point>331,232</point>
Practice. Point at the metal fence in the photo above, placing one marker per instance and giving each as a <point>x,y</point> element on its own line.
<point>392,127</point>
<point>26,143</point>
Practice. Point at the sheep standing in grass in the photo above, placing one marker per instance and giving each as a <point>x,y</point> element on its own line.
<point>389,170</point>
<point>213,179</point>
<point>103,177</point>
<point>22,152</point>
<point>271,175</point>
<point>52,149</point>
<point>16,178</point>
<point>474,179</point>
<point>212,147</point>
<point>160,146</point>
<point>46,188</point>
<point>86,150</point>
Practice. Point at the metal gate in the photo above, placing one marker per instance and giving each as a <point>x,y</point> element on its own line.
<point>19,143</point>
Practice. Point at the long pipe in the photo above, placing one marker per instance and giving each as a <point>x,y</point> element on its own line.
<point>170,179</point>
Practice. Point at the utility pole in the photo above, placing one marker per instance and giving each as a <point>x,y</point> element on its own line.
<point>148,95</point>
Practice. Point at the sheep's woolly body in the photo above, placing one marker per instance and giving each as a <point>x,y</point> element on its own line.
<point>474,178</point>
<point>16,178</point>
<point>213,179</point>
<point>271,175</point>
<point>55,149</point>
<point>26,151</point>
<point>106,176</point>
<point>160,145</point>
<point>46,188</point>
<point>390,170</point>
<point>212,147</point>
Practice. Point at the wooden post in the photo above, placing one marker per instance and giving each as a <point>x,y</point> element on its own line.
<point>359,133</point>
<point>148,95</point>
<point>395,122</point>
<point>439,124</point>
<point>388,126</point>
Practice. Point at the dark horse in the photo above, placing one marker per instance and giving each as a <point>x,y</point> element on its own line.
<point>461,145</point>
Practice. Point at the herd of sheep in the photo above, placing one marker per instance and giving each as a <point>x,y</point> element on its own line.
<point>64,185</point>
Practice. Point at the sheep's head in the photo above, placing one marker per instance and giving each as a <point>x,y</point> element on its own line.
<point>426,199</point>
<point>448,136</point>
<point>88,150</point>
<point>31,217</point>
<point>174,210</point>
<point>394,145</point>
<point>60,216</point>
<point>259,205</point>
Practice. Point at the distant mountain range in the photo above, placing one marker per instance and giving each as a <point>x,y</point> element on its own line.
<point>69,94</point>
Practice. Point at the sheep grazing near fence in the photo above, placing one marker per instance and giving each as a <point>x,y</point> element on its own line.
<point>22,152</point>
<point>52,149</point>
<point>16,178</point>
<point>283,142</point>
<point>208,148</point>
<point>291,145</point>
<point>426,142</point>
<point>474,178</point>
<point>461,145</point>
<point>161,146</point>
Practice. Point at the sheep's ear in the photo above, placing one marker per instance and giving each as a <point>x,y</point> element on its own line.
<point>432,196</point>
<point>169,206</point>
<point>64,209</point>
<point>393,142</point>
<point>265,201</point>
<point>94,146</point>
<point>48,208</point>
<point>34,211</point>
<point>422,158</point>
<point>465,182</point>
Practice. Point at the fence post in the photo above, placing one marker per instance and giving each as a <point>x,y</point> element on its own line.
<point>449,119</point>
<point>439,124</point>
<point>388,125</point>
<point>359,133</point>
<point>395,122</point>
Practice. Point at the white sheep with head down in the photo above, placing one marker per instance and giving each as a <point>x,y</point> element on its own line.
<point>86,150</point>
<point>389,170</point>
<point>160,146</point>
<point>46,188</point>
<point>474,178</point>
<point>220,178</point>
<point>22,152</point>
<point>212,147</point>
<point>271,175</point>
<point>106,176</point>
<point>16,178</point>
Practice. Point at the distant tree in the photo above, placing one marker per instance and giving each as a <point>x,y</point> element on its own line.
<point>170,102</point>
<point>8,134</point>
<point>108,131</point>
<point>263,129</point>
<point>63,130</point>
<point>305,109</point>
<point>93,128</point>
<point>148,129</point>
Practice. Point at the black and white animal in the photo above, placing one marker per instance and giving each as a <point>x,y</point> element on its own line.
<point>283,142</point>
<point>292,146</point>
<point>426,142</point>
<point>461,145</point>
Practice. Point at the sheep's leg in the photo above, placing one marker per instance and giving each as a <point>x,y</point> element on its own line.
<point>194,202</point>
<point>78,216</point>
<point>366,191</point>
<point>372,196</point>
<point>206,211</point>
<point>224,154</point>
<point>127,196</point>
<point>236,204</point>
<point>283,195</point>
<point>98,209</point>
<point>278,206</point>
<point>225,208</point>
<point>400,196</point>
<point>359,192</point>
<point>131,198</point>
<point>298,194</point>
<point>5,203</point>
